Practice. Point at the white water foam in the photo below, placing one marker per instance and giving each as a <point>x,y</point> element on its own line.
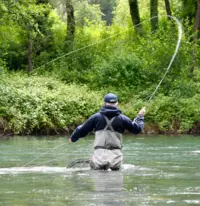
<point>43,169</point>
<point>196,152</point>
<point>47,170</point>
<point>129,167</point>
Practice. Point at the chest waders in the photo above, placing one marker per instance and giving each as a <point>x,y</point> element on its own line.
<point>108,138</point>
<point>107,145</point>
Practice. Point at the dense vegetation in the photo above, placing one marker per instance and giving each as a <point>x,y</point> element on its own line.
<point>56,66</point>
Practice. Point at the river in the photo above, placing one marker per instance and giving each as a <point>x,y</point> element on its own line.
<point>157,170</point>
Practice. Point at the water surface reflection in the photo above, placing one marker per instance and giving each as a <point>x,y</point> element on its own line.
<point>108,187</point>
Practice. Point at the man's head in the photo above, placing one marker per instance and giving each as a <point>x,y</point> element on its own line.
<point>111,99</point>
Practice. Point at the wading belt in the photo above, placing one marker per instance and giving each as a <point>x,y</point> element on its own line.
<point>110,148</point>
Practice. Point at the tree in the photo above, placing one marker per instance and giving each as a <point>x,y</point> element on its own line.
<point>135,16</point>
<point>154,14</point>
<point>106,7</point>
<point>28,23</point>
<point>196,26</point>
<point>168,9</point>
<point>70,22</point>
<point>197,21</point>
<point>87,14</point>
<point>42,1</point>
<point>30,48</point>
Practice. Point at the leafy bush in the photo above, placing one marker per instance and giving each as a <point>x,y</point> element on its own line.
<point>174,113</point>
<point>27,103</point>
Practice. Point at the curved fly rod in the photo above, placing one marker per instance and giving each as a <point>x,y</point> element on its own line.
<point>172,59</point>
<point>151,96</point>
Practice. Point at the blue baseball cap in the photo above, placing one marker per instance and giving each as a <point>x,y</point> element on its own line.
<point>110,98</point>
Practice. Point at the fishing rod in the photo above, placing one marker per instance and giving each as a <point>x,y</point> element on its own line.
<point>180,31</point>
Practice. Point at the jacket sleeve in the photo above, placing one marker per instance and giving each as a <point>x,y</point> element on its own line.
<point>135,126</point>
<point>84,129</point>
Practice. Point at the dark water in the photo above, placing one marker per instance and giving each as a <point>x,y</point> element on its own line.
<point>156,171</point>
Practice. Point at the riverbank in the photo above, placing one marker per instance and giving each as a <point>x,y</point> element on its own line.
<point>47,106</point>
<point>149,129</point>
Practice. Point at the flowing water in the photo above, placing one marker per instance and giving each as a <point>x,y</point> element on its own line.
<point>161,170</point>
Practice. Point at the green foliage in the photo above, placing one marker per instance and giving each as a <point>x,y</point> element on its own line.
<point>105,58</point>
<point>175,113</point>
<point>121,16</point>
<point>119,71</point>
<point>31,102</point>
<point>189,8</point>
<point>20,21</point>
<point>58,30</point>
<point>87,14</point>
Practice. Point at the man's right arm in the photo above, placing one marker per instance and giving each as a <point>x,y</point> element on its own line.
<point>83,130</point>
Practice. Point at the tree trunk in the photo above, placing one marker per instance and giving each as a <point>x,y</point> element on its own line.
<point>168,9</point>
<point>30,48</point>
<point>135,16</point>
<point>107,10</point>
<point>42,2</point>
<point>196,25</point>
<point>154,13</point>
<point>197,19</point>
<point>70,22</point>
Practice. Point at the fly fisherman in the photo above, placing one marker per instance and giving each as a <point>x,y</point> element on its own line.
<point>109,124</point>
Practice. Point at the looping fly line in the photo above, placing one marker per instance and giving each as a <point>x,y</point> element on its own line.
<point>115,35</point>
<point>172,59</point>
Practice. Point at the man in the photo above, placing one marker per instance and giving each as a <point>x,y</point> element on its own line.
<point>109,124</point>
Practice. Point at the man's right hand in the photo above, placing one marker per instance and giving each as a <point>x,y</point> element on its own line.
<point>70,141</point>
<point>142,111</point>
